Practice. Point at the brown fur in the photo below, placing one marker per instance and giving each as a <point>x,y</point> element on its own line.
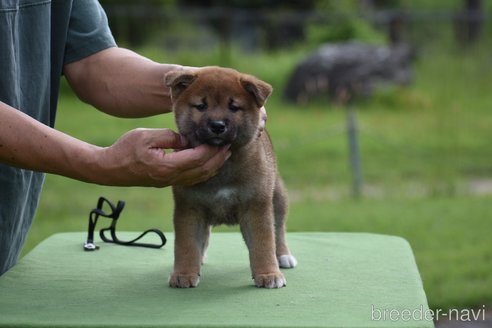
<point>222,106</point>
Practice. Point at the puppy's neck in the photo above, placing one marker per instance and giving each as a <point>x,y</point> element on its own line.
<point>246,148</point>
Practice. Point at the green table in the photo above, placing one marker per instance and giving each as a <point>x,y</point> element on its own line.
<point>342,280</point>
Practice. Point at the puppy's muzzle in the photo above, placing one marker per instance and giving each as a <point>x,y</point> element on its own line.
<point>216,133</point>
<point>217,127</point>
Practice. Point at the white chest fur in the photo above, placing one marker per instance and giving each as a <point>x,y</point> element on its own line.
<point>226,194</point>
<point>222,205</point>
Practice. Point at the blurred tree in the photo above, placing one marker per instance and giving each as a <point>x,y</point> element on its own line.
<point>391,13</point>
<point>342,21</point>
<point>469,21</point>
<point>133,22</point>
<point>271,16</point>
<point>251,4</point>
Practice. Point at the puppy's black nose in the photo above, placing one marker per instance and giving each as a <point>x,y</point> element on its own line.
<point>217,127</point>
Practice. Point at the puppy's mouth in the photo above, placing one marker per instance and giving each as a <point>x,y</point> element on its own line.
<point>204,137</point>
<point>218,142</point>
<point>215,133</point>
<point>214,140</point>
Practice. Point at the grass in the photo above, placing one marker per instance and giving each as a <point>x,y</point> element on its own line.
<point>421,147</point>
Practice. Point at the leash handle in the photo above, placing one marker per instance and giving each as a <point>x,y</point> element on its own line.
<point>94,214</point>
<point>133,242</point>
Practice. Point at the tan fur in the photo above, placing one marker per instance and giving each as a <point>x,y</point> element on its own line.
<point>247,190</point>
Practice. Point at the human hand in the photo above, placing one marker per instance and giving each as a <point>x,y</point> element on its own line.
<point>139,158</point>
<point>263,119</point>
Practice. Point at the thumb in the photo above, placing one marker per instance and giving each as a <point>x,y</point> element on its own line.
<point>165,139</point>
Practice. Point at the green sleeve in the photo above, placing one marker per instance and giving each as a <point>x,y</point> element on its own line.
<point>88,31</point>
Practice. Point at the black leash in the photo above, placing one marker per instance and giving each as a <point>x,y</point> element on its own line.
<point>114,215</point>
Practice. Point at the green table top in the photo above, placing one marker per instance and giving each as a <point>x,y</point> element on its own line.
<point>342,280</point>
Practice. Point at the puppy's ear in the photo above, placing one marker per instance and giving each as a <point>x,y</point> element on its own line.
<point>259,89</point>
<point>178,81</point>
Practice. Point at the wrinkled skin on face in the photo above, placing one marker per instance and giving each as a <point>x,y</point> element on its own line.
<point>217,106</point>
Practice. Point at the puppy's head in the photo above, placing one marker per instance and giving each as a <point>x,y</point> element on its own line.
<point>217,106</point>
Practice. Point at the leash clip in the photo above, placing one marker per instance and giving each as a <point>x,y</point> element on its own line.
<point>90,247</point>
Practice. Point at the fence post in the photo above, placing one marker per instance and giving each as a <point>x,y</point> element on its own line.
<point>354,153</point>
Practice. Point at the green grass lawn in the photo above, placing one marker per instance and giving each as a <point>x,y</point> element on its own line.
<point>421,147</point>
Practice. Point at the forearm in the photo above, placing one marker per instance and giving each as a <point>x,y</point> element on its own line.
<point>29,144</point>
<point>138,158</point>
<point>121,83</point>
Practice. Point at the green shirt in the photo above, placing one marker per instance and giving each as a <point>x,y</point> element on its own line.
<point>38,37</point>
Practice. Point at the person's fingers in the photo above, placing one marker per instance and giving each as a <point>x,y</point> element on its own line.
<point>165,138</point>
<point>209,168</point>
<point>141,157</point>
<point>198,164</point>
<point>193,157</point>
<point>263,119</point>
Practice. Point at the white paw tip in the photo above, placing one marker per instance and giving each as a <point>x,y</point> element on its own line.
<point>287,261</point>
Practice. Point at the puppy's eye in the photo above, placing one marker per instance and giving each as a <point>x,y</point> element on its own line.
<point>201,107</point>
<point>233,108</point>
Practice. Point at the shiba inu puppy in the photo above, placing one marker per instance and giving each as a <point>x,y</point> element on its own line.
<point>220,106</point>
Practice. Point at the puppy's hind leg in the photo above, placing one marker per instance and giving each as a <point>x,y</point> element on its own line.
<point>280,206</point>
<point>206,238</point>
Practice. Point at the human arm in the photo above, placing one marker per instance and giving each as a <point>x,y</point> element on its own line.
<point>136,159</point>
<point>121,83</point>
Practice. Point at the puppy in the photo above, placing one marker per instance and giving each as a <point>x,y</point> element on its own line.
<point>220,106</point>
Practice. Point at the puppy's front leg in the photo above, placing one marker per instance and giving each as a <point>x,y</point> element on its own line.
<point>257,228</point>
<point>190,232</point>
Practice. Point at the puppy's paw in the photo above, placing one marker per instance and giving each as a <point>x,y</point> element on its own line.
<point>287,261</point>
<point>270,280</point>
<point>180,280</point>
